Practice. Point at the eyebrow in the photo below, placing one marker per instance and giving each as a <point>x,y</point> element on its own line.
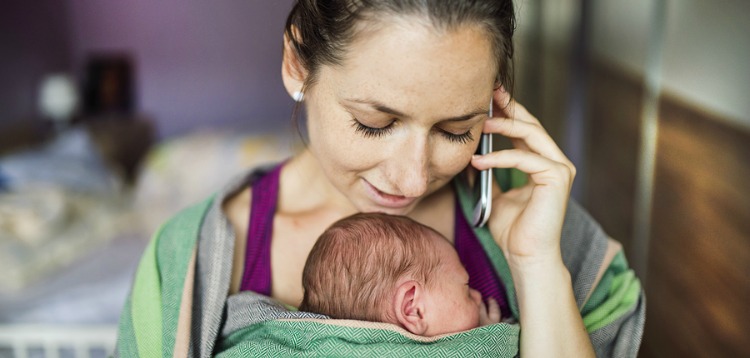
<point>385,109</point>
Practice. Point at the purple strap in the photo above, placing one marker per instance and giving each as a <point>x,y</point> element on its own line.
<point>257,275</point>
<point>482,277</point>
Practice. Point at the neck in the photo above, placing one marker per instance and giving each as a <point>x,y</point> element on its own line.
<point>306,188</point>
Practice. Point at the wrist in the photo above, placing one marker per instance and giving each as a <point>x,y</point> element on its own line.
<point>538,271</point>
<point>536,264</point>
<point>551,323</point>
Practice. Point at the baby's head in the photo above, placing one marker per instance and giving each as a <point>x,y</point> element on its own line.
<point>384,268</point>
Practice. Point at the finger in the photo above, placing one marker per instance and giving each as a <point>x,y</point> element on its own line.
<point>520,144</point>
<point>493,310</point>
<point>515,112</point>
<point>502,100</point>
<point>532,135</point>
<point>535,137</point>
<point>541,170</point>
<point>503,125</point>
<point>483,316</point>
<point>509,108</point>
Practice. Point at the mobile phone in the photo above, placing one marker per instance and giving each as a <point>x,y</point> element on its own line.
<point>483,183</point>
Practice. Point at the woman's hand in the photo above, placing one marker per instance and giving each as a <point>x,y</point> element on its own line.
<point>527,222</point>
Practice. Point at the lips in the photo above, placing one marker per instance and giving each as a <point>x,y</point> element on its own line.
<point>387,200</point>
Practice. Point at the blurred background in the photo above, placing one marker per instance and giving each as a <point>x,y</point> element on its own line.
<point>114,115</point>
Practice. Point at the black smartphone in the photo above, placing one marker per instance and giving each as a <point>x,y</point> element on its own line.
<point>483,183</point>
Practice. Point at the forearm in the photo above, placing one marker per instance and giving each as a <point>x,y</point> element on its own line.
<point>551,325</point>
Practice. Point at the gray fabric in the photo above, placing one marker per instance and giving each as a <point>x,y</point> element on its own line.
<point>621,338</point>
<point>248,308</point>
<point>214,270</point>
<point>583,245</point>
<point>213,273</point>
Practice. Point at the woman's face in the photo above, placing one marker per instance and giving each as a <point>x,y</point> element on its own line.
<point>402,115</point>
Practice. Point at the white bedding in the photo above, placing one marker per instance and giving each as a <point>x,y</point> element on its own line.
<point>88,290</point>
<point>91,288</point>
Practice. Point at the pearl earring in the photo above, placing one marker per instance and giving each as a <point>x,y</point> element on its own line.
<point>298,96</point>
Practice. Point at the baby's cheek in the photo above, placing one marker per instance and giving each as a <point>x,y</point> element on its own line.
<point>472,317</point>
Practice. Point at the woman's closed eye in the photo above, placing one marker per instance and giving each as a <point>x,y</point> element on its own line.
<point>378,132</point>
<point>461,138</point>
<point>372,132</point>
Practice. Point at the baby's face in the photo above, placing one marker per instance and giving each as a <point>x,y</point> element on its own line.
<point>453,306</point>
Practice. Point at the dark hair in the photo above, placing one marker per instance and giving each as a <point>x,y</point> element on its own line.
<point>320,30</point>
<point>355,265</point>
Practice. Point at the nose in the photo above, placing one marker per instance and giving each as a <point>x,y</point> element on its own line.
<point>410,174</point>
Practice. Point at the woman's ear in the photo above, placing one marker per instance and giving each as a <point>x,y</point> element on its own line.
<point>293,73</point>
<point>409,305</point>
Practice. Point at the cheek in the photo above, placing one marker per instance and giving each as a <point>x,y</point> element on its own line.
<point>466,316</point>
<point>333,141</point>
<point>471,310</point>
<point>450,159</point>
<point>474,315</point>
<point>330,144</point>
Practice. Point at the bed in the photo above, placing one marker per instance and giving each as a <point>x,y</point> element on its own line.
<point>67,256</point>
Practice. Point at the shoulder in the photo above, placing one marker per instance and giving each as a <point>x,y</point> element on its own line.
<point>235,198</point>
<point>234,205</point>
<point>237,207</point>
<point>231,202</point>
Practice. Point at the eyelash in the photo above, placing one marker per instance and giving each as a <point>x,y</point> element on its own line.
<point>370,132</point>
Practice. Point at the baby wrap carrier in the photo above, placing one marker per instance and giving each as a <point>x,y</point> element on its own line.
<point>179,304</point>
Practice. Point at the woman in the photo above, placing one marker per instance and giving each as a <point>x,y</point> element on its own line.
<point>397,94</point>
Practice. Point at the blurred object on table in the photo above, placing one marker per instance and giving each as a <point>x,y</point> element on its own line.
<point>109,89</point>
<point>123,144</point>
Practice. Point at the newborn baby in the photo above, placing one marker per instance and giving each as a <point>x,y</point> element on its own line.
<point>383,268</point>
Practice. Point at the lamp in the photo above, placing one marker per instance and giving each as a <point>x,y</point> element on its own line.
<point>58,98</point>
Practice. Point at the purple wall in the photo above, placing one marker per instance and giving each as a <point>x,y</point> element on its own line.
<point>33,43</point>
<point>198,63</point>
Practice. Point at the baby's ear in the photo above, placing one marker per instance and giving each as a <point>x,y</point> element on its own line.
<point>409,305</point>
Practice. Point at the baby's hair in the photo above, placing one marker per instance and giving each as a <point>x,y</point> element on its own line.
<point>354,267</point>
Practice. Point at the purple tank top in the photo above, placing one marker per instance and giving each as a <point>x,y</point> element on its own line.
<point>257,274</point>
